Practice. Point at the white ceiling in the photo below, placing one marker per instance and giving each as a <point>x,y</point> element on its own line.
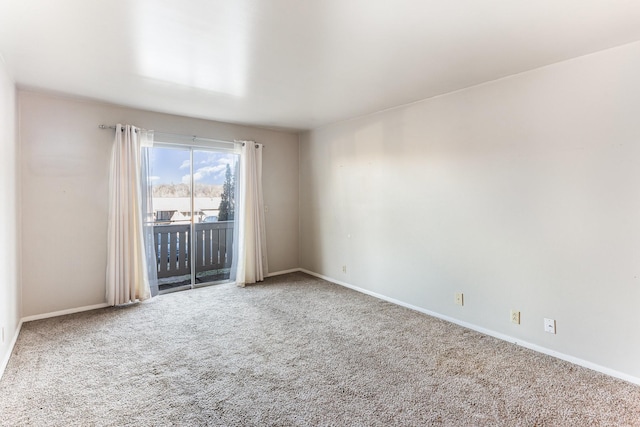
<point>294,64</point>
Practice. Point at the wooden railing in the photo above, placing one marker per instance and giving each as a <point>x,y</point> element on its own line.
<point>213,249</point>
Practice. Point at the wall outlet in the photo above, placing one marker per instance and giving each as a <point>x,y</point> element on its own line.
<point>515,317</point>
<point>459,299</point>
<point>2,335</point>
<point>344,268</point>
<point>550,326</point>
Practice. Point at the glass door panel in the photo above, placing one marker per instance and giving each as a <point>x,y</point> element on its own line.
<point>214,177</point>
<point>170,180</point>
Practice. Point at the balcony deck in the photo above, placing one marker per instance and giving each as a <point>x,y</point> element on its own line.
<point>213,252</point>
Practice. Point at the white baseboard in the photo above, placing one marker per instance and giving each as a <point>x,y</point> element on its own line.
<point>5,360</point>
<point>504,337</point>
<point>279,273</point>
<point>63,312</point>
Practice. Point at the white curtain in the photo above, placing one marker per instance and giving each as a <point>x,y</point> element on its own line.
<point>148,219</point>
<point>251,266</point>
<point>127,266</point>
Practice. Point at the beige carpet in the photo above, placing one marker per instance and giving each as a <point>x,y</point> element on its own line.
<point>293,351</point>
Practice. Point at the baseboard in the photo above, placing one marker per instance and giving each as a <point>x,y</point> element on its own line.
<point>5,360</point>
<point>279,273</point>
<point>63,312</point>
<point>504,337</point>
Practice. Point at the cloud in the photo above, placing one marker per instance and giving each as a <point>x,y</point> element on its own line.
<point>204,172</point>
<point>213,166</point>
<point>154,178</point>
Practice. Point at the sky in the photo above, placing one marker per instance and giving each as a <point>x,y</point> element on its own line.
<point>171,166</point>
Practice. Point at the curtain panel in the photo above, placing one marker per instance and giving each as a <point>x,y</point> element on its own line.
<point>251,244</point>
<point>128,269</point>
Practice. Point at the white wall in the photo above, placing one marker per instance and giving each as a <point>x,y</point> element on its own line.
<point>9,222</point>
<point>522,193</point>
<point>65,160</point>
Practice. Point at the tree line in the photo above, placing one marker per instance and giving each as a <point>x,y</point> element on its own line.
<point>182,190</point>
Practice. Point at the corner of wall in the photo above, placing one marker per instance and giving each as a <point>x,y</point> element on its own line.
<point>18,209</point>
<point>10,292</point>
<point>299,204</point>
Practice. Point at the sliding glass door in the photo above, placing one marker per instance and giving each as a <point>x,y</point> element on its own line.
<point>214,202</point>
<point>193,214</point>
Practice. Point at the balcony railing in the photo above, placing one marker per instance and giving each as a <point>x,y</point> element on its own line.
<point>213,249</point>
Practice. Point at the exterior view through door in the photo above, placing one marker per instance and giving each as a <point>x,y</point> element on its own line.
<point>193,196</point>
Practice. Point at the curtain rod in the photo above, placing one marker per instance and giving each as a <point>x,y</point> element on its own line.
<point>193,137</point>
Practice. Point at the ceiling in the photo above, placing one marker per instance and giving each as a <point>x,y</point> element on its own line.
<point>294,64</point>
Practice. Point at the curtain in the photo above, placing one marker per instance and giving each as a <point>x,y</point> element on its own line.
<point>251,265</point>
<point>146,196</point>
<point>127,266</point>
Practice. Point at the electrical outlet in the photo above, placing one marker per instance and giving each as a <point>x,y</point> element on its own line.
<point>550,326</point>
<point>459,298</point>
<point>344,268</point>
<point>2,335</point>
<point>515,317</point>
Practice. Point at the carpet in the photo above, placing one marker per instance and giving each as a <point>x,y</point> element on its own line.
<point>293,351</point>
